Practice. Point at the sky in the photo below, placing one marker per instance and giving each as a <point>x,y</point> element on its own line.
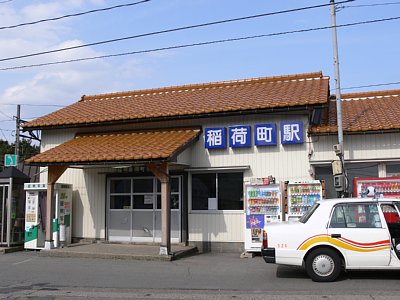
<point>368,53</point>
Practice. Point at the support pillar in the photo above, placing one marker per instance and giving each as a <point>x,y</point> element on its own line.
<point>54,172</point>
<point>162,173</point>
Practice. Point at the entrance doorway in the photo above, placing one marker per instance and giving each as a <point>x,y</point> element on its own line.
<point>134,209</point>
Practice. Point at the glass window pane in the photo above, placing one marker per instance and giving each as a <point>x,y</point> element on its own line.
<point>143,185</point>
<point>203,187</point>
<point>338,220</point>
<point>230,191</point>
<point>120,186</point>
<point>393,170</point>
<point>120,202</point>
<point>174,183</point>
<point>174,201</point>
<point>143,201</point>
<point>356,216</point>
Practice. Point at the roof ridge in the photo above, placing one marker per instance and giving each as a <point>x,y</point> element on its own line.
<point>371,94</point>
<point>292,77</point>
<point>133,131</point>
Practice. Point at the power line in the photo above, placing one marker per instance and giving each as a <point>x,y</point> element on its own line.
<point>198,44</point>
<point>1,2</point>
<point>169,30</point>
<point>370,85</point>
<point>372,5</point>
<point>6,115</point>
<point>73,15</point>
<point>29,104</point>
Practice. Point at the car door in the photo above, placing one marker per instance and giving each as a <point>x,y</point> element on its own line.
<point>356,228</point>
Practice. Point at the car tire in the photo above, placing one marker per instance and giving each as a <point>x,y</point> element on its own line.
<point>323,265</point>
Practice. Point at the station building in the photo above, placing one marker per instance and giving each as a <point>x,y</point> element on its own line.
<point>183,153</point>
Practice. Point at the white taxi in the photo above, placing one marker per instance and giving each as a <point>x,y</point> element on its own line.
<point>338,234</point>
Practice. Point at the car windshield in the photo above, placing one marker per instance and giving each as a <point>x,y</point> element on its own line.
<point>309,213</point>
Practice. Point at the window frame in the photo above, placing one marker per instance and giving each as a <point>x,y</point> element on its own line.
<point>342,205</point>
<point>213,211</point>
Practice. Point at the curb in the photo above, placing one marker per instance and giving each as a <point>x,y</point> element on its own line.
<point>171,257</point>
<point>11,249</point>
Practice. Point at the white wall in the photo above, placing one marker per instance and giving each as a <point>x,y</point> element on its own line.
<point>358,147</point>
<point>283,162</point>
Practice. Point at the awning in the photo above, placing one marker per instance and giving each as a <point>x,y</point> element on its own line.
<point>119,147</point>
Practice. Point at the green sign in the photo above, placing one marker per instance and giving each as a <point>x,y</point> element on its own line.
<point>10,160</point>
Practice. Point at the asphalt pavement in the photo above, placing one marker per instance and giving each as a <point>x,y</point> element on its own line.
<point>30,275</point>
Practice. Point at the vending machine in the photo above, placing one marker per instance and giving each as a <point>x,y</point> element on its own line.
<point>301,195</point>
<point>263,205</point>
<point>35,215</point>
<point>387,187</point>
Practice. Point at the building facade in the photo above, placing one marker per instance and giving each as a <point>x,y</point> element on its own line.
<point>213,138</point>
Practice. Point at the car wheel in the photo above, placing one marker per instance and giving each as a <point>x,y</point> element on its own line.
<point>323,265</point>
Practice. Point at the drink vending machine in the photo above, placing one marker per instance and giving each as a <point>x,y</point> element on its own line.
<point>301,195</point>
<point>35,215</point>
<point>386,187</point>
<point>263,205</point>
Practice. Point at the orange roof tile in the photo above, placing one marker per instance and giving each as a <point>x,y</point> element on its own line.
<point>361,112</point>
<point>119,147</point>
<point>192,100</point>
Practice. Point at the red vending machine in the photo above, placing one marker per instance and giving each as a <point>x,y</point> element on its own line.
<point>388,187</point>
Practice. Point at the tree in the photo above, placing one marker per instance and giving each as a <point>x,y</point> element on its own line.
<point>26,149</point>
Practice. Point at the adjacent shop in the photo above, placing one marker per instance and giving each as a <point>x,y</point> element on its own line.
<point>12,206</point>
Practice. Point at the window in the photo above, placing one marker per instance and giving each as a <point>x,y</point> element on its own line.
<point>120,194</point>
<point>390,213</point>
<point>175,193</point>
<point>355,216</point>
<point>226,188</point>
<point>143,193</point>
<point>393,170</point>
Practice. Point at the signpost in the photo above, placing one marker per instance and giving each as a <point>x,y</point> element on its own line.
<point>10,160</point>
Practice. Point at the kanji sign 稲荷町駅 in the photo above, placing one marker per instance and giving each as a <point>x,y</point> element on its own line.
<point>239,136</point>
<point>265,134</point>
<point>215,138</point>
<point>291,133</point>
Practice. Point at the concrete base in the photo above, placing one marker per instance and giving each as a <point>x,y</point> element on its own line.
<point>5,250</point>
<point>218,247</point>
<point>48,245</point>
<point>163,251</point>
<point>247,255</point>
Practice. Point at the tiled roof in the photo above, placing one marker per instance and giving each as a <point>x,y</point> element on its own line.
<point>361,112</point>
<point>192,100</point>
<point>119,147</point>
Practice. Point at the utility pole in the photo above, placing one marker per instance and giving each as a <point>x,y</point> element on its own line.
<point>17,127</point>
<point>339,149</point>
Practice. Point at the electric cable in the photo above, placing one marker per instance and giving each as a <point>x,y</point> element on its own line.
<point>197,44</point>
<point>10,118</point>
<point>30,104</point>
<point>168,31</point>
<point>73,15</point>
<point>369,85</point>
<point>372,5</point>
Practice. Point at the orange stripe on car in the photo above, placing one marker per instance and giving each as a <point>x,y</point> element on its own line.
<point>345,243</point>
